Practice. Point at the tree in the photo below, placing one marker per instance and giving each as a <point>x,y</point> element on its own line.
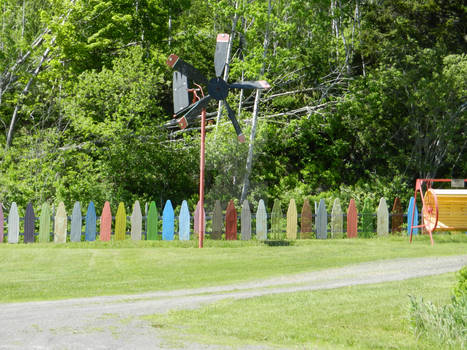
<point>114,109</point>
<point>22,35</point>
<point>362,92</point>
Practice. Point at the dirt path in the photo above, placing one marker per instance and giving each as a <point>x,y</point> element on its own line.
<point>114,322</point>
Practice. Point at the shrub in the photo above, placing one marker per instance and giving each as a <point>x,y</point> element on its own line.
<point>445,325</point>
<point>461,286</point>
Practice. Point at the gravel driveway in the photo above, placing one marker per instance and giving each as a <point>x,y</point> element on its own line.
<point>114,322</point>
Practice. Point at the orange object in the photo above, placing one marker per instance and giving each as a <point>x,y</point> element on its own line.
<point>443,209</point>
<point>106,223</point>
<point>352,220</point>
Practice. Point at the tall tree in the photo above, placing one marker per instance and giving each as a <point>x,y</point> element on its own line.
<point>249,160</point>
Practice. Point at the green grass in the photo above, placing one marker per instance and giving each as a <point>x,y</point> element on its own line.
<point>57,271</point>
<point>360,317</point>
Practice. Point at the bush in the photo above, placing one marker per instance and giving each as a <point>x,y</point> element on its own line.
<point>461,286</point>
<point>445,325</point>
<point>370,191</point>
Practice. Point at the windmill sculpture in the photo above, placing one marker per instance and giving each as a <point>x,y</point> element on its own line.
<point>218,89</point>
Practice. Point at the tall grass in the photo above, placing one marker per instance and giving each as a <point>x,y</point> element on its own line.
<point>445,324</point>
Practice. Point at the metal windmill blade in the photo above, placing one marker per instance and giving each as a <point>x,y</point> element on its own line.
<point>220,57</point>
<point>218,88</point>
<point>180,91</point>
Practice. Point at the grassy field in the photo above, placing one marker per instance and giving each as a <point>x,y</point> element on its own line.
<point>57,271</point>
<point>358,317</point>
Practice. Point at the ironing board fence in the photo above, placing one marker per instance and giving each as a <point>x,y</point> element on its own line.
<point>324,224</point>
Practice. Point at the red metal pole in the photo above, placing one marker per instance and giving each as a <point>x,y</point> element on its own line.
<point>201,179</point>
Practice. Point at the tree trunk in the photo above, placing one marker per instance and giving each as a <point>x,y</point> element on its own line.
<point>240,53</point>
<point>335,25</point>
<point>357,19</point>
<point>8,76</point>
<point>249,161</point>
<point>25,91</point>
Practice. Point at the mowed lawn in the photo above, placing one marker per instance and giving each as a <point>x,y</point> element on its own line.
<point>57,271</point>
<point>358,317</point>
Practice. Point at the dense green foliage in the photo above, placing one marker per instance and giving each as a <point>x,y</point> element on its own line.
<point>366,96</point>
<point>461,286</point>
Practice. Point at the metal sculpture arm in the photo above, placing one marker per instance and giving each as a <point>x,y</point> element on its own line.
<point>259,84</point>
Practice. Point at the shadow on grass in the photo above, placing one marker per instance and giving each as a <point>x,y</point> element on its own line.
<point>279,243</point>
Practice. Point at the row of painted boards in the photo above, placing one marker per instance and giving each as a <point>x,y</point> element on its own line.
<point>276,231</point>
